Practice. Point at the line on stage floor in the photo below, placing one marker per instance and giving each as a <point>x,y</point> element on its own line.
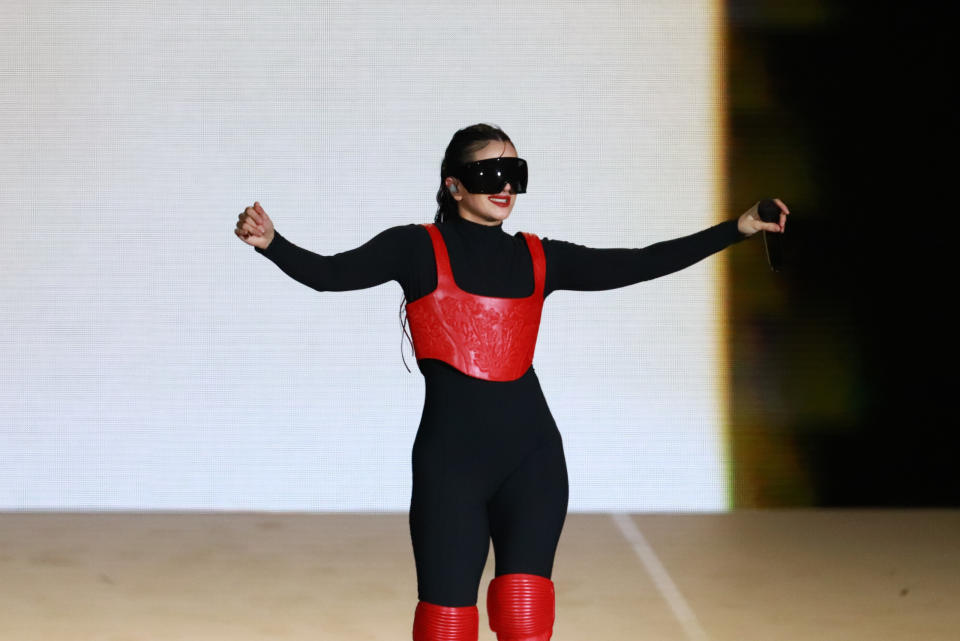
<point>661,578</point>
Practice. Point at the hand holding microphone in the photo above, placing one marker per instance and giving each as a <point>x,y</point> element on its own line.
<point>769,216</point>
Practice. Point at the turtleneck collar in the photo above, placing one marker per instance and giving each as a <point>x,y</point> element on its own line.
<point>471,229</point>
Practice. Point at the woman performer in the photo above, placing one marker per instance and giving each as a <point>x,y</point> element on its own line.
<point>488,460</point>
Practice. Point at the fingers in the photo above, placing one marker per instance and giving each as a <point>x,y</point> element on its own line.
<point>784,212</point>
<point>260,214</point>
<point>244,232</point>
<point>251,222</point>
<point>247,225</point>
<point>255,215</point>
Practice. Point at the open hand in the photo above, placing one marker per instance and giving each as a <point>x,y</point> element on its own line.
<point>750,222</point>
<point>254,227</point>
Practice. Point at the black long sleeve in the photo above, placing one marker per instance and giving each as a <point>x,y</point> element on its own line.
<point>384,257</point>
<point>489,262</point>
<point>575,267</point>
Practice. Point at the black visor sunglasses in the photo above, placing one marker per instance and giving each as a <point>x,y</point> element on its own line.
<point>492,175</point>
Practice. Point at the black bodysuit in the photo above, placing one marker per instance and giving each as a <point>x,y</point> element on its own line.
<point>487,459</point>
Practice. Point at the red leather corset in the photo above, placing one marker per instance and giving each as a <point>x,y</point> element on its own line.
<point>482,336</point>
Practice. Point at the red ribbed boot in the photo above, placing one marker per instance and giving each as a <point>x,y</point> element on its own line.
<point>433,622</point>
<point>521,607</point>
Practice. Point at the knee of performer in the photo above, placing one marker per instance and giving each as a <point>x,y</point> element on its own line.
<point>521,607</point>
<point>433,622</point>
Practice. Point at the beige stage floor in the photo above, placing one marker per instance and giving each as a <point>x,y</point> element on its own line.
<point>750,575</point>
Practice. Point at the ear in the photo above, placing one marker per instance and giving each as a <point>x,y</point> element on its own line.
<point>458,194</point>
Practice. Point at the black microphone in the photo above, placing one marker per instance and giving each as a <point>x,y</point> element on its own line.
<point>773,241</point>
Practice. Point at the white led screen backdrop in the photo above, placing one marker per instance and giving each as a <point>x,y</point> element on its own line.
<point>153,361</point>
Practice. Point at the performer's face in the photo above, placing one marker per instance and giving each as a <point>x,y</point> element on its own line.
<point>483,208</point>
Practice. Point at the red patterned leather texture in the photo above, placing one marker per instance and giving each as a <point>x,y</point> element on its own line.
<point>482,336</point>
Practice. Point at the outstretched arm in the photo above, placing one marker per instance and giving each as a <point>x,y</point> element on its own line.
<point>572,266</point>
<point>575,267</point>
<point>377,261</point>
